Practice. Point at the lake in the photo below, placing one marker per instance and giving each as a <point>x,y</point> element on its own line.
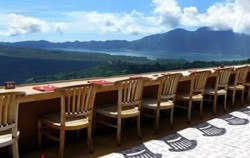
<point>165,55</point>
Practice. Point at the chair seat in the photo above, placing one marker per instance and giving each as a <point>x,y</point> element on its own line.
<point>111,111</point>
<point>238,87</point>
<point>197,97</point>
<point>151,103</point>
<point>211,91</point>
<point>247,84</point>
<point>70,123</point>
<point>6,138</point>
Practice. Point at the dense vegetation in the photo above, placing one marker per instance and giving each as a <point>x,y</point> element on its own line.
<point>63,55</point>
<point>120,68</point>
<point>22,64</point>
<point>21,69</point>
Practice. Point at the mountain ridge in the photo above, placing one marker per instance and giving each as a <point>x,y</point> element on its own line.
<point>202,40</point>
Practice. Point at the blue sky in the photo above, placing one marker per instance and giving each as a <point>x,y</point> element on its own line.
<point>85,20</point>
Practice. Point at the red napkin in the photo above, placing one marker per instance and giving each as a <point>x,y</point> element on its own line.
<point>101,82</point>
<point>45,88</point>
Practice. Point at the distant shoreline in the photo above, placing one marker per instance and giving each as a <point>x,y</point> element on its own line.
<point>162,54</point>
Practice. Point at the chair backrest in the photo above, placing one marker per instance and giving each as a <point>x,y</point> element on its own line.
<point>168,86</point>
<point>222,78</point>
<point>130,92</point>
<point>241,75</point>
<point>9,104</point>
<point>77,101</point>
<point>198,82</point>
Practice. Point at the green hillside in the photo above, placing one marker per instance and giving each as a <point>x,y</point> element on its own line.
<point>25,65</point>
<point>123,68</point>
<point>63,55</point>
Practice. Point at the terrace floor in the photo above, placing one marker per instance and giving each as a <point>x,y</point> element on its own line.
<point>105,140</point>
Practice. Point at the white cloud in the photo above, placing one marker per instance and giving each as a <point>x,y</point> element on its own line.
<point>220,16</point>
<point>228,15</point>
<point>14,25</point>
<point>165,15</point>
<point>132,23</point>
<point>242,5</point>
<point>19,25</point>
<point>169,11</point>
<point>190,17</point>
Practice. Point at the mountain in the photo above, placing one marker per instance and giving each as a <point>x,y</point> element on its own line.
<point>115,44</point>
<point>203,40</point>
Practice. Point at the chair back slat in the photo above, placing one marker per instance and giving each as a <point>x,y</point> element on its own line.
<point>199,80</point>
<point>6,108</point>
<point>241,75</point>
<point>130,91</point>
<point>73,105</point>
<point>77,100</point>
<point>9,109</point>
<point>83,100</point>
<point>223,76</point>
<point>168,85</point>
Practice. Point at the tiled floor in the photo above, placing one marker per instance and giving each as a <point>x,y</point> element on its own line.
<point>105,140</point>
<point>222,137</point>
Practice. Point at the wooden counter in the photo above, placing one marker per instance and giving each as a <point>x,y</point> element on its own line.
<point>35,95</point>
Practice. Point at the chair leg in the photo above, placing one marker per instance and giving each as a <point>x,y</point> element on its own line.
<point>10,150</point>
<point>62,142</point>
<point>94,123</point>
<point>189,111</point>
<point>233,98</point>
<point>39,134</point>
<point>215,105</point>
<point>225,103</point>
<point>15,152</point>
<point>172,118</point>
<point>248,95</point>
<point>209,98</point>
<point>78,135</point>
<point>201,109</point>
<point>90,143</point>
<point>157,121</point>
<point>123,122</point>
<point>139,126</point>
<point>118,134</point>
<point>242,98</point>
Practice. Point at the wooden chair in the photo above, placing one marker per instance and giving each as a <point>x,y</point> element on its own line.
<point>9,103</point>
<point>196,91</point>
<point>239,83</point>
<point>76,113</point>
<point>165,97</point>
<point>128,105</point>
<point>220,88</point>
